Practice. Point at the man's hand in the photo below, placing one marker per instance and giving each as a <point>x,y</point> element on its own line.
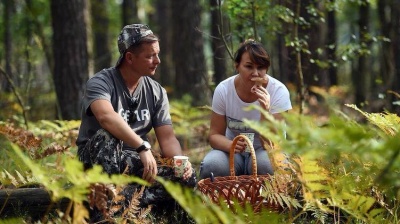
<point>149,164</point>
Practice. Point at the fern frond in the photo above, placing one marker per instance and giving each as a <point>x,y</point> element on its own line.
<point>199,207</point>
<point>61,131</point>
<point>318,214</point>
<point>387,122</point>
<point>80,212</point>
<point>21,177</point>
<point>6,178</point>
<point>13,180</point>
<point>98,198</point>
<point>23,138</point>
<point>134,212</point>
<point>314,178</point>
<point>143,213</point>
<point>277,191</point>
<point>50,150</point>
<point>74,176</point>
<point>359,206</point>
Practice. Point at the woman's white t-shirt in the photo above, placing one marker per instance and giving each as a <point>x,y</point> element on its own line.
<point>227,102</point>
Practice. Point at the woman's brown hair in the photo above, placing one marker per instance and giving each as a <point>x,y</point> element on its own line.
<point>258,54</point>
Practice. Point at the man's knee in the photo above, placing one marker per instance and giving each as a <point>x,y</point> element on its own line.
<point>103,149</point>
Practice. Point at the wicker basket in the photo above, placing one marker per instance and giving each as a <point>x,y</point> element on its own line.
<point>243,189</point>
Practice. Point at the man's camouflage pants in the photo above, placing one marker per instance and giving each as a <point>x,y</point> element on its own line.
<point>106,150</point>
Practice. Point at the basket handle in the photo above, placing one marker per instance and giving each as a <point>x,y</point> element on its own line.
<point>232,155</point>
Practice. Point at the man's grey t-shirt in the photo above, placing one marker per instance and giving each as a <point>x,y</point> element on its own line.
<point>146,108</point>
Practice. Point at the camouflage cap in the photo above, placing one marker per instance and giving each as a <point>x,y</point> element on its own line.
<point>130,35</point>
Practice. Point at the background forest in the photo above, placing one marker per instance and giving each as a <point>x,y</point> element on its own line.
<point>340,60</point>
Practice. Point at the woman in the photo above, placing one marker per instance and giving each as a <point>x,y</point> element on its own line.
<point>251,86</point>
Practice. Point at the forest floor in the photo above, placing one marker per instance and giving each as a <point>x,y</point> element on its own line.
<point>196,146</point>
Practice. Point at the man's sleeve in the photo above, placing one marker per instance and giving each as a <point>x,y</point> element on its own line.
<point>96,89</point>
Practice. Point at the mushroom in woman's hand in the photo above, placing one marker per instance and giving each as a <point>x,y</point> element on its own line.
<point>260,80</point>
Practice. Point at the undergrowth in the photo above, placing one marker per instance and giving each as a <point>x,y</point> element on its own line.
<point>339,171</point>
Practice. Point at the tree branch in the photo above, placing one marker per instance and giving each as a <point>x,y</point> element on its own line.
<point>19,98</point>
<point>221,29</point>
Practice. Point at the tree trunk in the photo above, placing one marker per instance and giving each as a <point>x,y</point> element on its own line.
<point>129,12</point>
<point>70,55</point>
<point>362,74</point>
<point>162,26</point>
<point>190,66</point>
<point>318,75</point>
<point>101,42</point>
<point>387,65</point>
<point>395,37</point>
<point>283,61</point>
<point>8,6</point>
<point>219,51</point>
<point>301,86</point>
<point>34,202</point>
<point>310,34</point>
<point>331,46</point>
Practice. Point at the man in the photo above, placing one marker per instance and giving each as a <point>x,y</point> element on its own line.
<point>121,105</point>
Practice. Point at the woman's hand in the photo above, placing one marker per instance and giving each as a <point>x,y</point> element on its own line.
<point>240,145</point>
<point>263,96</point>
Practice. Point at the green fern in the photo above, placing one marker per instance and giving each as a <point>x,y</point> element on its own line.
<point>190,123</point>
<point>73,176</point>
<point>389,123</point>
<point>341,155</point>
<point>20,180</point>
<point>12,221</point>
<point>199,208</point>
<point>277,192</point>
<point>360,207</point>
<point>202,210</point>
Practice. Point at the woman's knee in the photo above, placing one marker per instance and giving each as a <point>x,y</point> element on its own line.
<point>215,162</point>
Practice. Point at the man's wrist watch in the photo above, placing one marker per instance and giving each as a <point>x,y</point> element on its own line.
<point>145,146</point>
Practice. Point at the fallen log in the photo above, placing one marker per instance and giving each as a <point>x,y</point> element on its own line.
<point>32,202</point>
